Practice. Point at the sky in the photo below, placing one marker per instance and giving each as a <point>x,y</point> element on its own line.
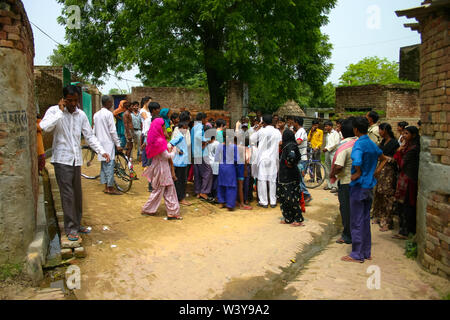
<point>357,29</point>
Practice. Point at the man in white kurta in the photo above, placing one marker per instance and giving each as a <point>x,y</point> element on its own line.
<point>267,160</point>
<point>105,131</point>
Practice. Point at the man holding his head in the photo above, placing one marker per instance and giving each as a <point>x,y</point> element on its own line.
<point>68,122</point>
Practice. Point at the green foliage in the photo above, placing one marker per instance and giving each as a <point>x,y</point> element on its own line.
<point>446,297</point>
<point>273,45</point>
<point>117,91</point>
<point>373,70</point>
<point>10,271</point>
<point>411,248</point>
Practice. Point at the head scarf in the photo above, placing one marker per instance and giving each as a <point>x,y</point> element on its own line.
<point>288,137</point>
<point>121,108</point>
<point>156,141</point>
<point>164,114</point>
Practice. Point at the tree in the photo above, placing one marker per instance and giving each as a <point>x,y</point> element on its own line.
<point>117,91</point>
<point>371,70</point>
<point>175,40</point>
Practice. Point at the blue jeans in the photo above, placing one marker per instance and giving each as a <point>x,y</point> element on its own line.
<point>302,167</point>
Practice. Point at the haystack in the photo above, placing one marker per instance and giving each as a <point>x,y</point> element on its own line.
<point>290,108</point>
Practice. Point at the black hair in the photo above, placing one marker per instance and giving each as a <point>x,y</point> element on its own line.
<point>210,120</point>
<point>267,119</point>
<point>415,131</point>
<point>419,123</point>
<point>156,117</point>
<point>374,116</point>
<point>134,103</point>
<point>185,116</point>
<point>220,123</point>
<point>339,121</point>
<point>71,90</point>
<point>299,120</point>
<point>328,123</point>
<point>174,116</point>
<point>362,124</point>
<point>347,128</point>
<point>315,121</point>
<point>200,116</point>
<point>181,124</point>
<point>144,100</point>
<point>403,124</point>
<point>283,119</point>
<point>387,127</point>
<point>153,106</point>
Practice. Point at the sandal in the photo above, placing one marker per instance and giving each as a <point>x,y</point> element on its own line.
<point>245,207</point>
<point>73,237</point>
<point>340,241</point>
<point>350,259</point>
<point>148,214</point>
<point>174,218</point>
<point>84,230</point>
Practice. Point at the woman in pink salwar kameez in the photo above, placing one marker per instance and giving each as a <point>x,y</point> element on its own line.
<point>159,174</point>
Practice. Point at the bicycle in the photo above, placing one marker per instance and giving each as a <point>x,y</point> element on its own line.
<point>123,169</point>
<point>315,172</point>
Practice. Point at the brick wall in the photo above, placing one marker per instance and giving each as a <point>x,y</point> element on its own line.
<point>18,156</point>
<point>169,97</point>
<point>396,102</point>
<point>434,236</point>
<point>369,96</point>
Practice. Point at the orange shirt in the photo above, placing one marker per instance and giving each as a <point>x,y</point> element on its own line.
<point>40,141</point>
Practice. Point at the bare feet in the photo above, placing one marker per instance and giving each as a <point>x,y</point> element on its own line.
<point>298,224</point>
<point>185,203</point>
<point>245,207</point>
<point>350,259</point>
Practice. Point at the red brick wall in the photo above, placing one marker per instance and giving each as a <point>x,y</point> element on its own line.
<point>177,98</point>
<point>369,96</point>
<point>435,116</point>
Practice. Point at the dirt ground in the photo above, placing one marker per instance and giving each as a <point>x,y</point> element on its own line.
<point>217,254</point>
<point>190,259</point>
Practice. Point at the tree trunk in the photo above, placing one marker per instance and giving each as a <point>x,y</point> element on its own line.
<point>216,90</point>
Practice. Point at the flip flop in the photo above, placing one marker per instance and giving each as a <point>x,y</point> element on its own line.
<point>73,237</point>
<point>148,214</point>
<point>84,230</point>
<point>174,218</point>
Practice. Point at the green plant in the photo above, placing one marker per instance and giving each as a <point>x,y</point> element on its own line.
<point>10,270</point>
<point>446,297</point>
<point>411,248</point>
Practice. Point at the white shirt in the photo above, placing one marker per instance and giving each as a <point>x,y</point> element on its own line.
<point>212,149</point>
<point>303,147</point>
<point>267,158</point>
<point>332,141</point>
<point>145,122</point>
<point>67,129</point>
<point>105,131</point>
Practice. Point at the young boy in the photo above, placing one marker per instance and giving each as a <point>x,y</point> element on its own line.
<point>180,162</point>
<point>212,150</point>
<point>230,171</point>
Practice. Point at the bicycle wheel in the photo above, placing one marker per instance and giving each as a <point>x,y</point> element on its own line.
<point>89,170</point>
<point>315,175</point>
<point>123,175</point>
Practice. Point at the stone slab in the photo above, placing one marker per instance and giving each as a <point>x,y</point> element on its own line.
<point>67,244</point>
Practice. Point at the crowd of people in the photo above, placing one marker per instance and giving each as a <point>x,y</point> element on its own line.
<point>262,158</point>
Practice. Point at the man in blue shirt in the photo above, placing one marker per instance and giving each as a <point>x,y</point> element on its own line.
<point>202,170</point>
<point>365,155</point>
